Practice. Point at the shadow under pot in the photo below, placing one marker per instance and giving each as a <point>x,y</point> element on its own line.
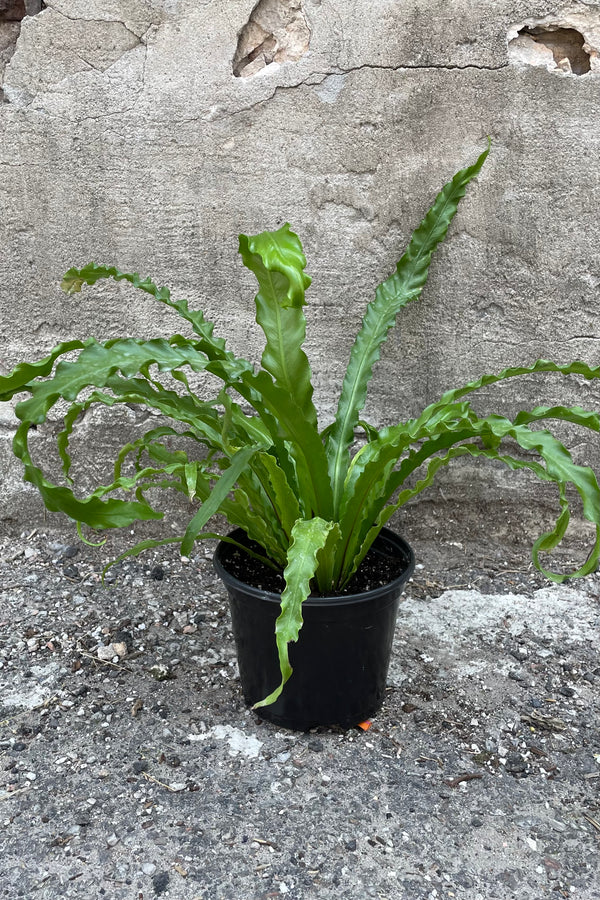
<point>341,659</point>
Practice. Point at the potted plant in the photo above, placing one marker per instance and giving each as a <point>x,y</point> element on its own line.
<point>309,510</point>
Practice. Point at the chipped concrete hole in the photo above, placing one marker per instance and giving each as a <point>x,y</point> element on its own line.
<point>276,32</point>
<point>12,13</point>
<point>567,45</point>
<point>562,46</point>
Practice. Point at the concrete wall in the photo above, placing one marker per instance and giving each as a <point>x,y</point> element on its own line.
<point>126,137</point>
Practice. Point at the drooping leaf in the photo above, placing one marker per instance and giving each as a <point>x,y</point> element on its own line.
<point>550,539</point>
<point>298,446</point>
<point>91,273</point>
<point>151,543</point>
<point>24,374</point>
<point>96,363</point>
<point>547,541</point>
<point>366,487</point>
<point>386,512</point>
<point>148,544</point>
<point>92,511</point>
<point>558,467</point>
<point>308,538</point>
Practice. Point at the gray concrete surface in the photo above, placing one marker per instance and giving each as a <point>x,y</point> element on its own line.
<point>126,137</point>
<point>477,780</point>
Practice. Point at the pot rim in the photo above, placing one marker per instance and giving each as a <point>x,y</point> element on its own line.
<point>398,543</point>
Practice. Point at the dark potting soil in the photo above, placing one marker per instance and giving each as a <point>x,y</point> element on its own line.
<point>376,570</point>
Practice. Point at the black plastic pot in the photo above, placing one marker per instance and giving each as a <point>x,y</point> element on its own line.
<point>341,658</point>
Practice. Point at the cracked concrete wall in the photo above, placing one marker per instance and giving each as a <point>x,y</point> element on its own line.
<point>126,137</point>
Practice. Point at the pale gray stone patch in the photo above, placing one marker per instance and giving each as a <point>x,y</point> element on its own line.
<point>78,46</point>
<point>330,89</point>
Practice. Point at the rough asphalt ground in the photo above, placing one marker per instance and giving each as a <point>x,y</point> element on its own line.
<point>130,768</point>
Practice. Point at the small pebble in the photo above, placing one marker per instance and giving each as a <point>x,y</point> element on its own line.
<point>160,672</point>
<point>160,882</point>
<point>515,764</point>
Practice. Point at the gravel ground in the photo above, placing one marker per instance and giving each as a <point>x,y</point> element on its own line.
<point>131,769</point>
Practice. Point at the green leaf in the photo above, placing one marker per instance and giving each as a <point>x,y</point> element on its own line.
<point>574,414</point>
<point>435,464</point>
<point>278,492</point>
<point>87,541</point>
<point>96,513</point>
<point>218,494</point>
<point>259,524</point>
<point>278,252</point>
<point>541,365</point>
<point>167,401</point>
<point>150,544</point>
<point>548,541</point>
<point>97,362</point>
<point>404,285</point>
<point>302,443</point>
<point>196,481</point>
<point>277,260</point>
<point>22,375</point>
<point>366,487</point>
<point>309,536</point>
<point>326,574</point>
<point>370,479</point>
<point>559,468</point>
<point>214,348</point>
<point>297,445</point>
